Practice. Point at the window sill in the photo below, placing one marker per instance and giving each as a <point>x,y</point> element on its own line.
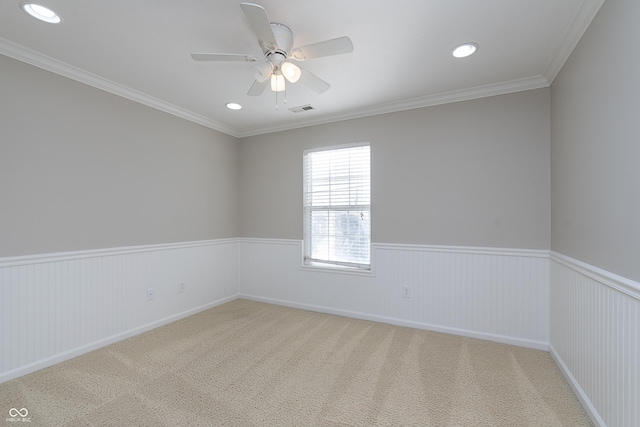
<point>328,268</point>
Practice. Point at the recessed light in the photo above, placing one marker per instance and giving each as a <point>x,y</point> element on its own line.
<point>42,13</point>
<point>233,106</point>
<point>464,50</point>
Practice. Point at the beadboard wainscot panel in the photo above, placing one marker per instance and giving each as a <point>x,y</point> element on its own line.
<point>57,306</point>
<point>595,338</point>
<point>496,294</point>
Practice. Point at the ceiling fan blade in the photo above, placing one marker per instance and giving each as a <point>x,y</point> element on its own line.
<point>326,48</point>
<point>260,24</point>
<point>223,57</point>
<point>314,82</point>
<point>258,88</point>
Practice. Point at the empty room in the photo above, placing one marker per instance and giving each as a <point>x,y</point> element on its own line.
<point>320,213</point>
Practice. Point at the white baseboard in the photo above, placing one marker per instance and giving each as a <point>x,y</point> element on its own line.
<point>70,354</point>
<point>56,306</point>
<point>582,396</point>
<point>494,294</point>
<point>537,345</point>
<point>595,339</point>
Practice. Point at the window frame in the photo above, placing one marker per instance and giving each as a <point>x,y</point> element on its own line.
<point>333,265</point>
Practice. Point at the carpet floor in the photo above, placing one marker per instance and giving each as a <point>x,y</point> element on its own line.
<point>247,363</point>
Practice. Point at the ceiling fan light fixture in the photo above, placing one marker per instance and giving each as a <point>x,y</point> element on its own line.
<point>262,71</point>
<point>42,13</point>
<point>464,50</point>
<point>291,72</point>
<point>277,82</point>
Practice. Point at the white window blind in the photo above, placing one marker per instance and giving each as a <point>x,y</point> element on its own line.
<point>337,206</point>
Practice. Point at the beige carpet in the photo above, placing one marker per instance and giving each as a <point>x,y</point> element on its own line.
<point>247,363</point>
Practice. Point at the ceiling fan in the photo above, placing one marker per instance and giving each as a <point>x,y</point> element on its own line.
<point>276,42</point>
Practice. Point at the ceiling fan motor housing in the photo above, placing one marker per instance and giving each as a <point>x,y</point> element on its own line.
<point>284,39</point>
<point>275,55</point>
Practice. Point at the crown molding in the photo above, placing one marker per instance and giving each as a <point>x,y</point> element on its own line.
<point>23,54</point>
<point>576,30</point>
<point>47,63</point>
<point>483,91</point>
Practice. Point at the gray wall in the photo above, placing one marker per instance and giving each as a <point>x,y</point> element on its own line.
<point>473,173</point>
<point>595,145</point>
<point>83,169</point>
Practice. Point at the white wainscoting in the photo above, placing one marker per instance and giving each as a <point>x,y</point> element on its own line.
<point>496,294</point>
<point>595,338</point>
<point>56,306</point>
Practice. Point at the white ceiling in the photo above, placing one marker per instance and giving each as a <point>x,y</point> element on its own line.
<point>141,49</point>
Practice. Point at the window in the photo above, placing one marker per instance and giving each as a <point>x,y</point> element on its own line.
<point>337,206</point>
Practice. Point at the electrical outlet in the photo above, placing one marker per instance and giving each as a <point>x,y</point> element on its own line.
<point>151,294</point>
<point>406,292</point>
<point>182,287</point>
